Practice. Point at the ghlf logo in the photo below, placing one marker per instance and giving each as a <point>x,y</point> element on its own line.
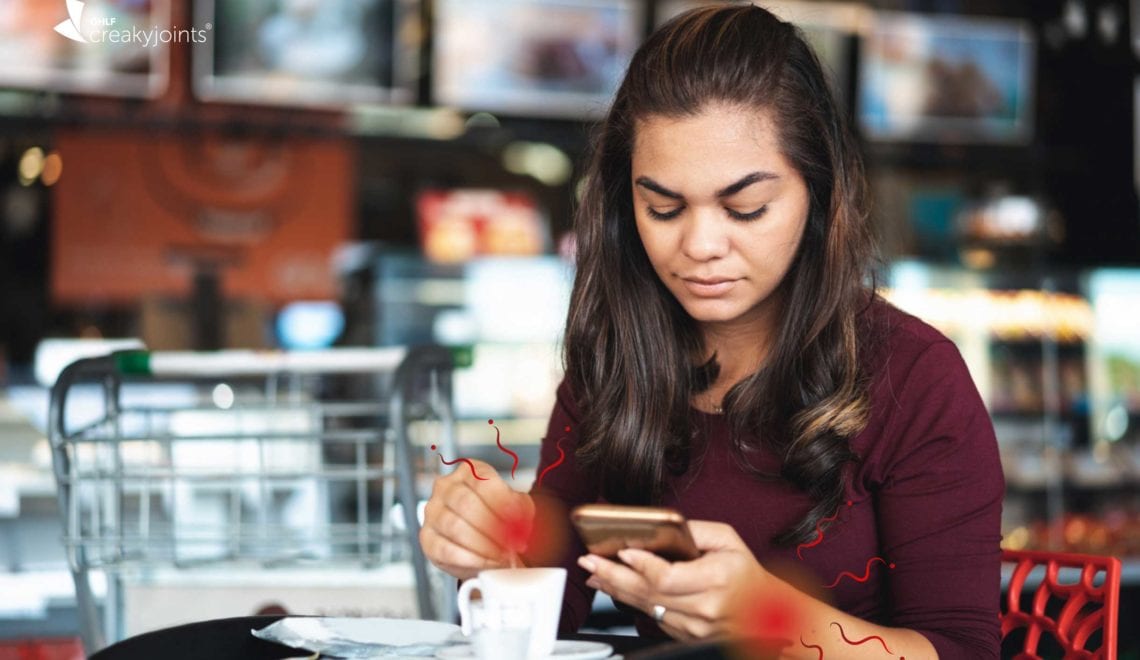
<point>70,27</point>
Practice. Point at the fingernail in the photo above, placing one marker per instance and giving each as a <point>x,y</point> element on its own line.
<point>593,583</point>
<point>624,555</point>
<point>587,563</point>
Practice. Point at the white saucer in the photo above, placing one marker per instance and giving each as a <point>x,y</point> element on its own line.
<point>563,650</point>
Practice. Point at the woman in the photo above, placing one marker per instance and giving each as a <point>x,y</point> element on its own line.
<point>725,357</point>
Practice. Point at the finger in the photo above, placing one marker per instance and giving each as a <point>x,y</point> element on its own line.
<point>648,564</point>
<point>453,559</point>
<point>503,527</point>
<point>456,528</point>
<point>512,524</point>
<point>619,581</point>
<point>693,615</point>
<point>495,493</point>
<point>682,626</point>
<point>693,588</point>
<point>673,631</point>
<point>703,607</point>
<point>683,578</point>
<point>711,536</point>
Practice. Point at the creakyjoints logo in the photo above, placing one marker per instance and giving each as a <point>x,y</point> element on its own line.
<point>70,27</point>
<point>103,29</point>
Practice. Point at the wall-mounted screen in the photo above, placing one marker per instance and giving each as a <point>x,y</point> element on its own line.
<point>318,53</point>
<point>946,79</point>
<point>555,58</point>
<point>100,47</point>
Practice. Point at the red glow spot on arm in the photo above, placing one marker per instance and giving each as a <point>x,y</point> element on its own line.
<point>548,532</point>
<point>769,623</point>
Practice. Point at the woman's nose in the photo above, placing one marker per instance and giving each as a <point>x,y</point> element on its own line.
<point>705,236</point>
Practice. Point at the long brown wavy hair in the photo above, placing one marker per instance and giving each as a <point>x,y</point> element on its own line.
<point>633,356</point>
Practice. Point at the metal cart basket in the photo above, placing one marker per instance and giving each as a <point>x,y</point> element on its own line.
<point>262,458</point>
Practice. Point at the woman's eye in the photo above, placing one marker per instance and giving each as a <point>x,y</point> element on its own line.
<point>747,215</point>
<point>665,215</point>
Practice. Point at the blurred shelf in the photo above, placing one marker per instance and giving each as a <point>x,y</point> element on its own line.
<point>1034,342</point>
<point>1021,413</point>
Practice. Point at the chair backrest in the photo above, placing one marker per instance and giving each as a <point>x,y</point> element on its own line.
<point>1069,612</point>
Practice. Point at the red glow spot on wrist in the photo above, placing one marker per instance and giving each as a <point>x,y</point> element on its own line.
<point>515,530</point>
<point>543,536</point>
<point>768,624</point>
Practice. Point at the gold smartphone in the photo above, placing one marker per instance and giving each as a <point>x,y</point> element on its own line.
<point>607,528</point>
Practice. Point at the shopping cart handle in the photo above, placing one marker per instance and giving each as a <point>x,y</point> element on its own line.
<point>245,362</point>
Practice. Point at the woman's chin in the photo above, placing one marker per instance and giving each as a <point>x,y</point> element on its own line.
<point>713,312</point>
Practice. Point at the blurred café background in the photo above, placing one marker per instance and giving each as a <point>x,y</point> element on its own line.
<point>189,176</point>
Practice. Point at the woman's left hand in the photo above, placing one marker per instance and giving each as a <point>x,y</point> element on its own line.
<point>701,597</point>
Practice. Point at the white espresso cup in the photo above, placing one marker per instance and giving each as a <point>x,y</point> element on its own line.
<point>538,590</point>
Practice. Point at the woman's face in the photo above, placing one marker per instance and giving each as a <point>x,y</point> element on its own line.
<point>720,211</point>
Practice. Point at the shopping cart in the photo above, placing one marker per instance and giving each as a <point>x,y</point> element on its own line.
<point>183,460</point>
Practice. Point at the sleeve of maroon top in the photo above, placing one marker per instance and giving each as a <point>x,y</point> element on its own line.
<point>564,486</point>
<point>940,507</point>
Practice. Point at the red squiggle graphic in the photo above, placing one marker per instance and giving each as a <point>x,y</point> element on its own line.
<point>818,533</point>
<point>812,646</point>
<point>504,449</point>
<point>866,573</point>
<point>461,460</point>
<point>469,464</point>
<point>561,459</point>
<point>861,641</point>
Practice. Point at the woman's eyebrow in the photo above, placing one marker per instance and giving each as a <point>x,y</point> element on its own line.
<point>744,182</point>
<point>650,184</point>
<point>727,191</point>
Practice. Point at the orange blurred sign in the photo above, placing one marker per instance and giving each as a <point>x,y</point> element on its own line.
<point>456,225</point>
<point>136,213</point>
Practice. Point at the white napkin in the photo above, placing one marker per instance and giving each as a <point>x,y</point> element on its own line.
<point>341,637</point>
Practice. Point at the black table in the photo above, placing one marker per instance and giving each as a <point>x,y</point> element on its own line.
<point>223,639</point>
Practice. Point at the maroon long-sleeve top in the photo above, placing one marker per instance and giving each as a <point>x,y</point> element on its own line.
<point>925,496</point>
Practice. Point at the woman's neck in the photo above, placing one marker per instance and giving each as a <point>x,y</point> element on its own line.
<point>739,350</point>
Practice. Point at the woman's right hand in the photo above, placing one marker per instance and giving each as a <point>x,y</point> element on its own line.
<point>472,524</point>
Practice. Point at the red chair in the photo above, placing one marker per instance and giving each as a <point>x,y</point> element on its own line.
<point>1069,613</point>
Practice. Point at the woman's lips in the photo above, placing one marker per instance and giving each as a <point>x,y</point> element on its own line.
<point>708,288</point>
